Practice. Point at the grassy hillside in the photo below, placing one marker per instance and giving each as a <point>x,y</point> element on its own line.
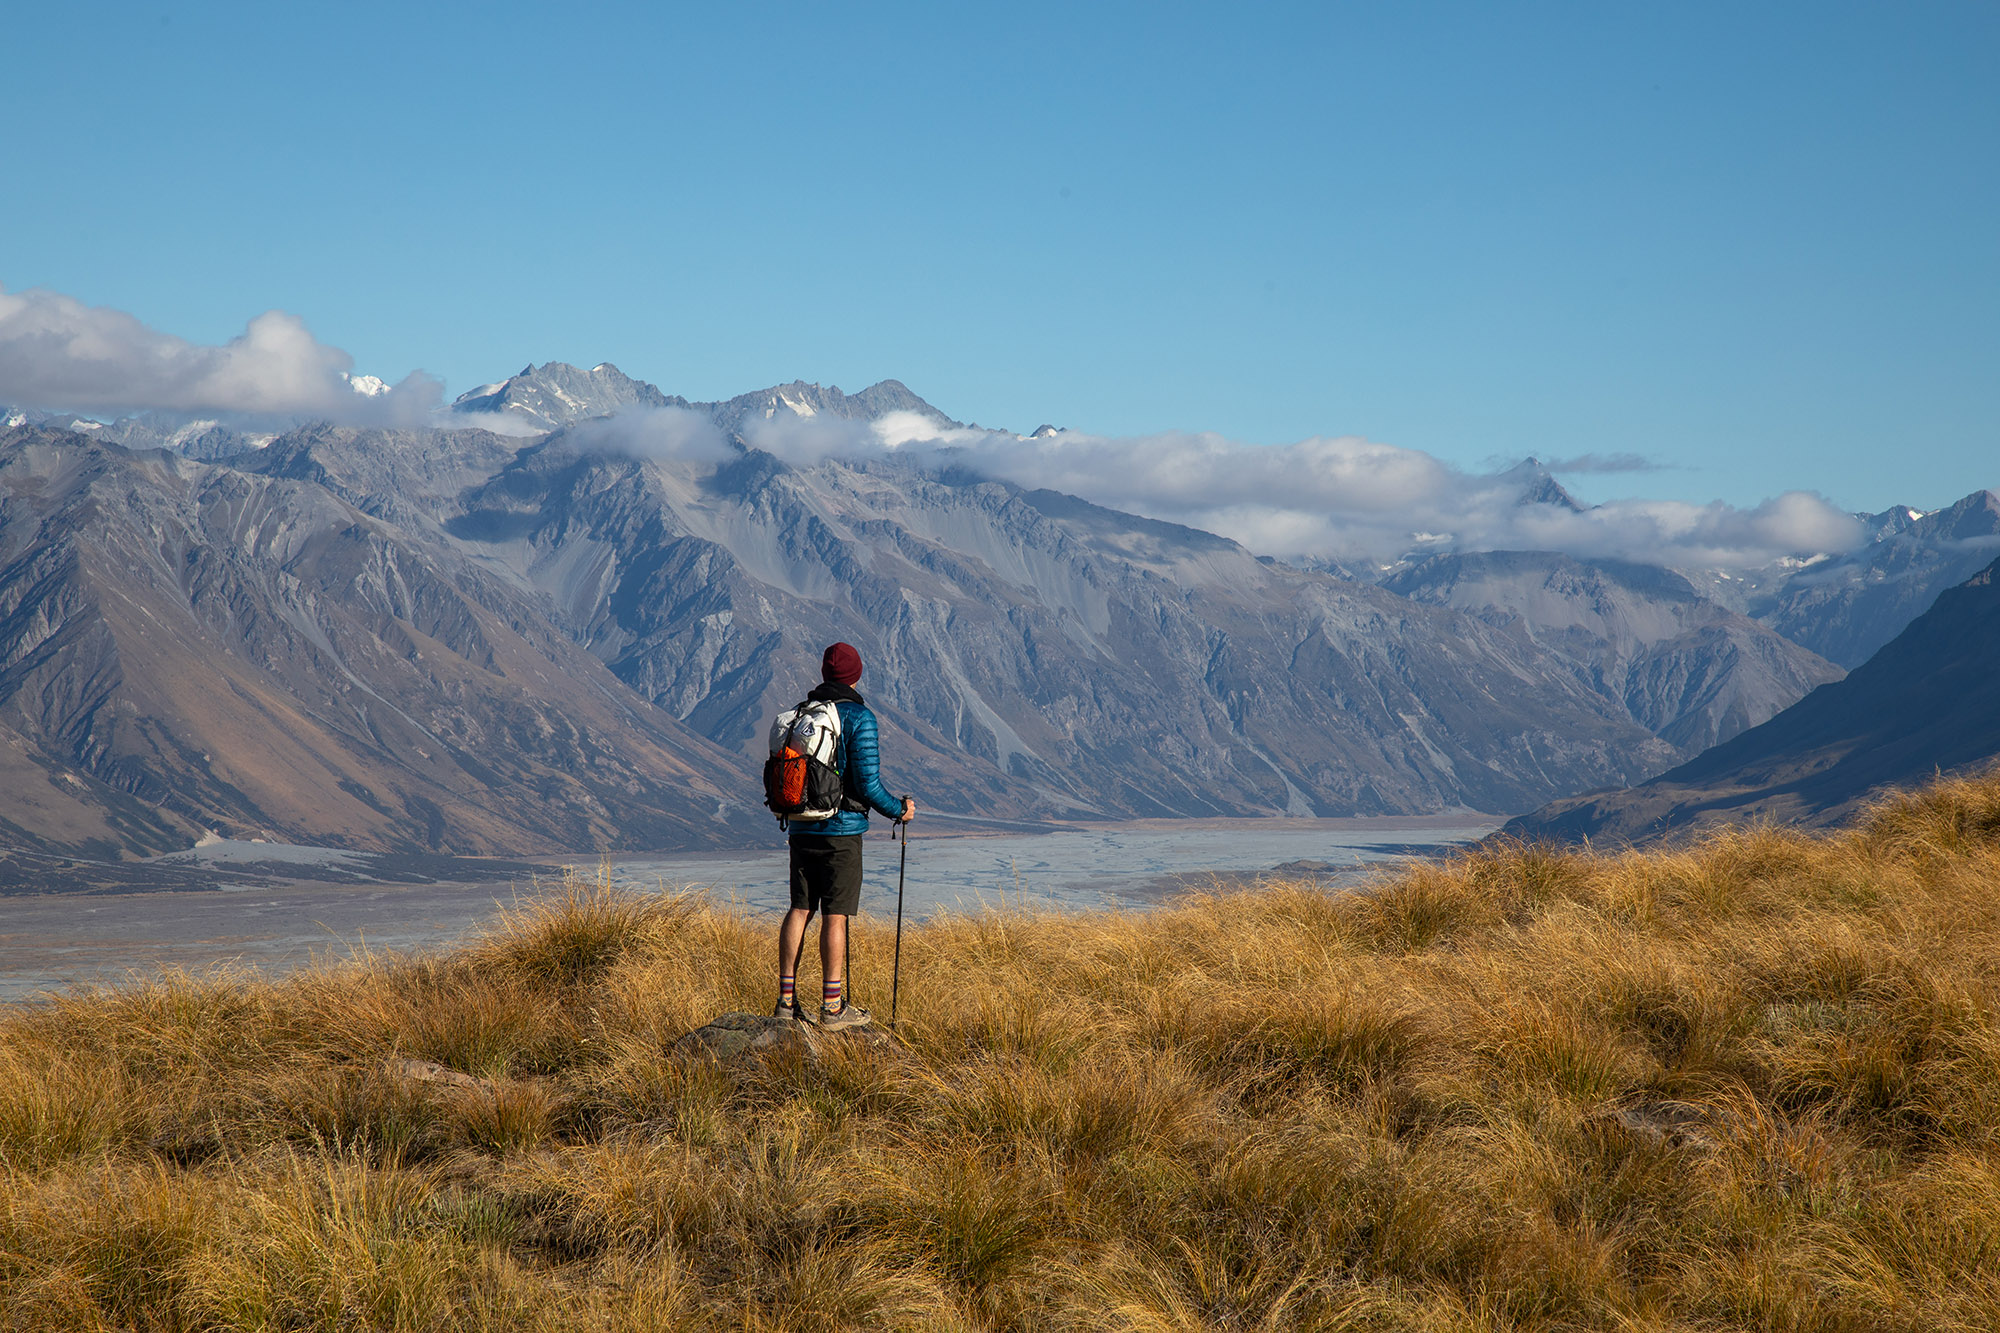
<point>1754,1083</point>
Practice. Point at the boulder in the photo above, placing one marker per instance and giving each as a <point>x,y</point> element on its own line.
<point>735,1037</point>
<point>430,1071</point>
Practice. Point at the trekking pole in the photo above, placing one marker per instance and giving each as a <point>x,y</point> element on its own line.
<point>896,979</point>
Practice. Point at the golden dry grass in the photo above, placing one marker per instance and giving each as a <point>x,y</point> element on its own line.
<point>1748,1083</point>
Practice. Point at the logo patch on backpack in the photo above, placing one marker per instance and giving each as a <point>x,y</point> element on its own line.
<point>801,780</point>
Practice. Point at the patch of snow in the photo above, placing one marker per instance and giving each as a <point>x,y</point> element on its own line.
<point>86,425</point>
<point>799,407</point>
<point>497,422</point>
<point>189,431</point>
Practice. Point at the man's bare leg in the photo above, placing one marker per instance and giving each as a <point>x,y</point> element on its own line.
<point>833,950</point>
<point>833,953</point>
<point>791,943</point>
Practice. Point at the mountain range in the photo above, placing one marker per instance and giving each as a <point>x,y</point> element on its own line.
<point>187,648</point>
<point>1847,607</point>
<point>538,637</point>
<point>1686,668</point>
<point>1030,653</point>
<point>1927,702</point>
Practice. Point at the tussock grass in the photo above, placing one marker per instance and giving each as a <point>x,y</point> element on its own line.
<point>1751,1082</point>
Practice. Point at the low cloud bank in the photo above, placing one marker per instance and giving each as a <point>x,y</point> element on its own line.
<point>1333,497</point>
<point>659,433</point>
<point>1341,498</point>
<point>58,354</point>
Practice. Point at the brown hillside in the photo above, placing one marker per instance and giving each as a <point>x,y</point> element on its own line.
<point>184,647</point>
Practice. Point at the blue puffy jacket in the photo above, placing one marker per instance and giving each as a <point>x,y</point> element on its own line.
<point>860,766</point>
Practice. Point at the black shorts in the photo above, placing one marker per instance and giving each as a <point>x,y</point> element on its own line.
<point>826,873</point>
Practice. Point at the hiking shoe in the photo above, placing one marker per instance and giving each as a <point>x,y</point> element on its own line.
<point>787,1009</point>
<point>849,1015</point>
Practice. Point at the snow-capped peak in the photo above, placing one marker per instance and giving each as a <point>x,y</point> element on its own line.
<point>366,385</point>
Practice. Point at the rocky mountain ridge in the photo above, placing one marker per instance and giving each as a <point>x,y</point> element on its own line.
<point>1927,702</point>
<point>1848,606</point>
<point>1687,669</point>
<point>553,395</point>
<point>187,648</point>
<point>1030,649</point>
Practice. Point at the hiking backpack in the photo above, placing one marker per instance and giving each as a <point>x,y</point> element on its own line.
<point>801,778</point>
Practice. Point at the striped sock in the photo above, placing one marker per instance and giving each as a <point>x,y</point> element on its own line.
<point>788,987</point>
<point>830,996</point>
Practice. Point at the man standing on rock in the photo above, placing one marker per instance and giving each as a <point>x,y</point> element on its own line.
<point>826,854</point>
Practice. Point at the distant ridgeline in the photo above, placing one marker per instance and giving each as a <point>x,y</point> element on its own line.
<point>534,638</point>
<point>1927,702</point>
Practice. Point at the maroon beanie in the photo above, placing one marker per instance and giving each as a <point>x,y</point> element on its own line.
<point>841,664</point>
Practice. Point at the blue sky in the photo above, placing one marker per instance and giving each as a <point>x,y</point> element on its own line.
<point>1758,245</point>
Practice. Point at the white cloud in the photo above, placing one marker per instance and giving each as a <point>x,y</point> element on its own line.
<point>807,440</point>
<point>59,354</point>
<point>499,423</point>
<point>662,433</point>
<point>1673,532</point>
<point>1339,497</point>
<point>1343,498</point>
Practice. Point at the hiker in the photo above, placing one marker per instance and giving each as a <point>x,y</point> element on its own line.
<point>826,854</point>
